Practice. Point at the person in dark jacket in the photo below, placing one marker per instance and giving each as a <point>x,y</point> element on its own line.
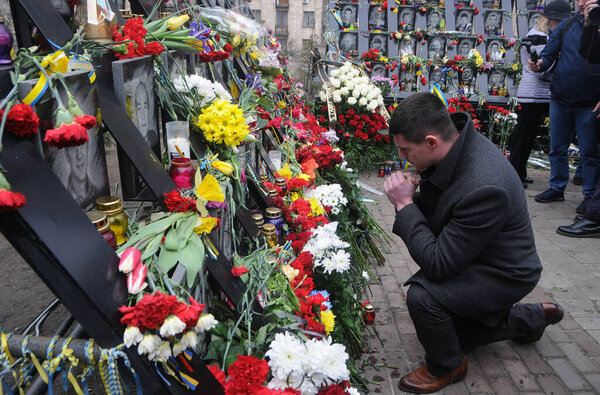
<point>575,90</point>
<point>534,97</point>
<point>588,225</point>
<point>468,229</point>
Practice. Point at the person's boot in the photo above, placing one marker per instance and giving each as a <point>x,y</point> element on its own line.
<point>422,382</point>
<point>553,313</point>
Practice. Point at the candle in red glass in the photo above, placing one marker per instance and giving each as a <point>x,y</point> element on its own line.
<point>369,314</point>
<point>182,172</point>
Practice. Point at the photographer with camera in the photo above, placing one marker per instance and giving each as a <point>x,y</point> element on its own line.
<point>588,224</point>
<point>533,95</point>
<point>575,91</point>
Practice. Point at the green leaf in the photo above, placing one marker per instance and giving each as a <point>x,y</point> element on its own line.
<point>153,229</point>
<point>261,336</point>
<point>171,241</point>
<point>152,247</point>
<point>192,257</point>
<point>185,229</point>
<point>167,259</point>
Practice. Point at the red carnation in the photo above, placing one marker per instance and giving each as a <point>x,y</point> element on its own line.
<point>21,120</point>
<point>154,48</point>
<point>150,312</point>
<point>189,314</point>
<point>177,203</point>
<point>238,271</point>
<point>134,29</point>
<point>218,373</point>
<point>67,135</point>
<point>228,48</point>
<point>246,371</point>
<point>87,121</point>
<point>11,200</point>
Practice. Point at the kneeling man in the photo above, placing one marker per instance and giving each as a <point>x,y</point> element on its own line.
<point>468,229</point>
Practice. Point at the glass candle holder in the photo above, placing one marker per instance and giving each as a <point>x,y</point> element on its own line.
<point>270,233</point>
<point>182,172</point>
<point>369,314</point>
<point>6,42</point>
<point>281,183</point>
<point>178,134</point>
<point>258,220</point>
<point>273,215</point>
<point>100,220</point>
<point>112,207</point>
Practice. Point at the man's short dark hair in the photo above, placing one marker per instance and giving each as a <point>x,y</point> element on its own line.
<point>419,115</point>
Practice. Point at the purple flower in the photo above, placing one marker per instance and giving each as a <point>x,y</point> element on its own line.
<point>216,205</point>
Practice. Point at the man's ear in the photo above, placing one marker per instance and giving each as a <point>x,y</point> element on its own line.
<point>432,141</point>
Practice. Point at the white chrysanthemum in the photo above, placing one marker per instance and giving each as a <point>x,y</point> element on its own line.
<point>286,354</point>
<point>372,106</point>
<point>148,344</point>
<point>221,92</point>
<point>178,348</point>
<point>363,101</point>
<point>162,353</point>
<point>336,92</point>
<point>356,93</point>
<point>340,262</point>
<point>352,391</point>
<point>371,95</point>
<point>337,99</point>
<point>132,336</point>
<point>327,361</point>
<point>344,91</point>
<point>335,82</point>
<point>172,326</point>
<point>334,73</point>
<point>205,323</point>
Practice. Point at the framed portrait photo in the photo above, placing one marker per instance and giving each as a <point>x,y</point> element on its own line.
<point>348,42</point>
<point>406,80</point>
<point>496,80</point>
<point>407,46</point>
<point>435,18</point>
<point>378,41</point>
<point>493,22</point>
<point>406,17</point>
<point>436,47</point>
<point>377,17</point>
<point>349,14</point>
<point>437,77</point>
<point>467,80</point>
<point>378,70</point>
<point>465,45</point>
<point>495,50</point>
<point>464,20</point>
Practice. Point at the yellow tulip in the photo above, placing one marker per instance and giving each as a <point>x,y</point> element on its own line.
<point>205,225</point>
<point>285,171</point>
<point>304,177</point>
<point>223,167</point>
<point>176,22</point>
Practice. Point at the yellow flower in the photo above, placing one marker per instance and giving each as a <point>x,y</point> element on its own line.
<point>316,207</point>
<point>383,59</point>
<point>210,190</point>
<point>515,66</point>
<point>281,104</point>
<point>304,177</point>
<point>223,123</point>
<point>290,272</point>
<point>175,22</point>
<point>223,167</point>
<point>285,171</point>
<point>328,319</point>
<point>294,195</point>
<point>205,225</point>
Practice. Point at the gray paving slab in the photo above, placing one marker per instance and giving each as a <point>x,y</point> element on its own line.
<point>567,358</point>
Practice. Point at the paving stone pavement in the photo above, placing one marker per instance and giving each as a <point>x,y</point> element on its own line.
<point>566,360</point>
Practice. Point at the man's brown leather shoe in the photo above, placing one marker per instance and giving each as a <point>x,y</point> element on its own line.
<point>422,382</point>
<point>553,313</point>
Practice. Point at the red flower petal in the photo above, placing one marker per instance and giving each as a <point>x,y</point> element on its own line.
<point>10,200</point>
<point>67,135</point>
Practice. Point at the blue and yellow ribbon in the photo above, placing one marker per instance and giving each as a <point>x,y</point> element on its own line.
<point>435,89</point>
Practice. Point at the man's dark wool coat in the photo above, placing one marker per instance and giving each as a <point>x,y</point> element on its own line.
<point>469,230</point>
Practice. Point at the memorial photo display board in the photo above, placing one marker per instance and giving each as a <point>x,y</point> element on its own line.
<point>479,36</point>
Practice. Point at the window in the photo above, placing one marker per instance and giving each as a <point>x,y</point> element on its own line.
<point>309,19</point>
<point>256,15</point>
<point>306,44</point>
<point>283,3</point>
<point>281,19</point>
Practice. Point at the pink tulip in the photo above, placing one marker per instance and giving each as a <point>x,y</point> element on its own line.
<point>135,279</point>
<point>130,259</point>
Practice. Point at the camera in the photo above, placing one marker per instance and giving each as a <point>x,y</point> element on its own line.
<point>594,16</point>
<point>535,39</point>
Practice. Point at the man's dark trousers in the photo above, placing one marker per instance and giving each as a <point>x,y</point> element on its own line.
<point>446,337</point>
